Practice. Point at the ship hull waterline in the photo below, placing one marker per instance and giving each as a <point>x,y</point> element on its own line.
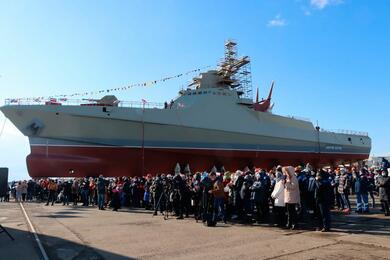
<point>74,161</point>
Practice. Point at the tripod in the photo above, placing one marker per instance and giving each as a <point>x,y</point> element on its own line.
<point>165,211</point>
<point>2,229</point>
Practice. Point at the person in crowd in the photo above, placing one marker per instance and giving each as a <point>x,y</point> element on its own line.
<point>383,184</point>
<point>19,188</point>
<point>196,195</point>
<point>159,197</point>
<point>244,196</point>
<point>303,182</point>
<point>238,201</point>
<point>92,192</point>
<point>291,196</point>
<point>52,188</point>
<point>30,190</point>
<point>101,191</point>
<point>218,196</point>
<point>311,192</point>
<point>67,192</point>
<point>85,192</point>
<point>115,197</point>
<point>361,190</point>
<point>24,190</point>
<point>323,192</point>
<point>178,198</point>
<point>75,191</point>
<point>147,192</point>
<point>371,183</point>
<point>343,189</point>
<point>335,186</point>
<point>258,196</point>
<point>279,209</point>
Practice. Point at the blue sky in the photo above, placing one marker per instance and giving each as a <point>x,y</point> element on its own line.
<point>330,59</point>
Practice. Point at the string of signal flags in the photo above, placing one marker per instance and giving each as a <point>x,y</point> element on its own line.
<point>63,97</point>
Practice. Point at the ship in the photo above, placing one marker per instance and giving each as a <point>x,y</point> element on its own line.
<point>214,122</point>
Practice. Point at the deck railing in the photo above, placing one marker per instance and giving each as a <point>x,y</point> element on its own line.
<point>81,102</point>
<point>344,131</point>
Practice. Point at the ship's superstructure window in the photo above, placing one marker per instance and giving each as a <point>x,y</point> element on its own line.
<point>207,92</point>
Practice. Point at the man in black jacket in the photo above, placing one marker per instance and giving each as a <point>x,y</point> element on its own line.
<point>67,193</point>
<point>323,193</point>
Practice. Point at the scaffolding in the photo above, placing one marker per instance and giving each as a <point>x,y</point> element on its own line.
<point>235,71</point>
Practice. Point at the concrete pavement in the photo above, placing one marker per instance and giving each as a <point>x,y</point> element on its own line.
<point>86,233</point>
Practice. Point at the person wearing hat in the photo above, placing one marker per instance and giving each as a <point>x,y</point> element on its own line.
<point>322,194</point>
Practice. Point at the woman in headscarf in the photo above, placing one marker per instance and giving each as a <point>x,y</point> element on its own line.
<point>277,194</point>
<point>291,196</point>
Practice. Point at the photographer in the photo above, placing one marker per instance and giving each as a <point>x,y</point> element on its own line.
<point>157,190</point>
<point>196,195</point>
<point>178,198</point>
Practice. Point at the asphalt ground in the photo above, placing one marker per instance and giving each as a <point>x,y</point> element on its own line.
<point>69,232</point>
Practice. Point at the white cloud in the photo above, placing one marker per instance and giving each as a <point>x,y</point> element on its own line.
<point>278,21</point>
<point>321,4</point>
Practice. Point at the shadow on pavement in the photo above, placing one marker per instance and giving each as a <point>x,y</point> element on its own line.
<point>56,248</point>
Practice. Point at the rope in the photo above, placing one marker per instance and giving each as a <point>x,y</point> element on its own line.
<point>2,128</point>
<point>142,84</point>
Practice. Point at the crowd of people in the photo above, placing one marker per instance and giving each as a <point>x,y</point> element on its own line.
<point>283,196</point>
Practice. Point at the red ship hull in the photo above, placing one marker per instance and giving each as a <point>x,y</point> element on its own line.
<point>60,161</point>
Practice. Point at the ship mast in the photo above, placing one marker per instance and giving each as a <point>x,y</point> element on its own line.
<point>235,71</point>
